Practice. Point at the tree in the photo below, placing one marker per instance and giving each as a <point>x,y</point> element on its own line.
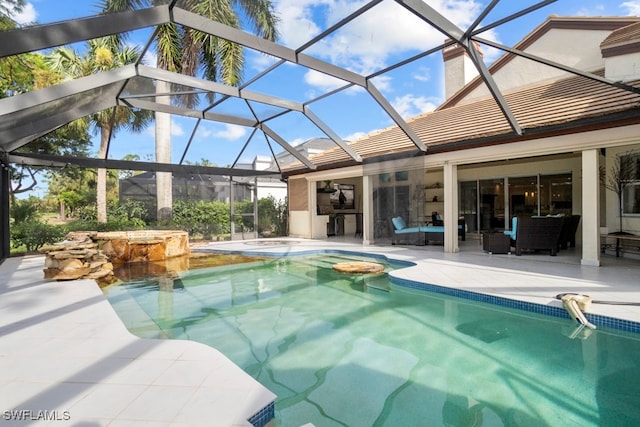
<point>102,54</point>
<point>24,73</point>
<point>188,51</point>
<point>72,188</point>
<point>623,172</point>
<point>124,174</point>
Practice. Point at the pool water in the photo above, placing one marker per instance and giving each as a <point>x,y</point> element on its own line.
<point>354,350</point>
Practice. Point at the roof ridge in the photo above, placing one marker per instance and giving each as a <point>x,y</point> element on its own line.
<point>552,22</point>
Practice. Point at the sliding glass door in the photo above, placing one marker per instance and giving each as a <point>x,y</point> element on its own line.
<point>491,200</point>
<point>489,204</point>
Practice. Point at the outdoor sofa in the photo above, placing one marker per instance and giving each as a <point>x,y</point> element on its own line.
<point>422,234</point>
<point>536,233</point>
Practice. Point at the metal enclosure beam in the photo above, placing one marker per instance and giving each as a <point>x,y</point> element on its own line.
<point>48,160</point>
<point>284,144</point>
<point>64,89</point>
<point>382,101</point>
<point>449,29</point>
<point>187,112</point>
<point>77,30</point>
<point>226,32</point>
<point>35,126</point>
<point>331,134</point>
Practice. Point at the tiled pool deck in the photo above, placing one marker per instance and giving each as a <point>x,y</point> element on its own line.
<point>63,350</point>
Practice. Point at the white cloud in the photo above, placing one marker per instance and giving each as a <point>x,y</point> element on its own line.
<point>27,16</point>
<point>323,81</point>
<point>422,74</point>
<point>366,43</point>
<point>176,129</point>
<point>409,105</point>
<point>230,132</point>
<point>297,24</point>
<point>382,83</point>
<point>632,7</point>
<point>381,36</point>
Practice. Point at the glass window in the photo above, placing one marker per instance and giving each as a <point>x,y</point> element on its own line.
<point>469,204</point>
<point>492,204</point>
<point>523,196</point>
<point>556,194</point>
<point>631,199</point>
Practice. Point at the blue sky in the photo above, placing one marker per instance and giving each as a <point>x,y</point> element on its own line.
<point>382,36</point>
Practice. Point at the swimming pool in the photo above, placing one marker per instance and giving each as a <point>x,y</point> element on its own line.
<point>349,350</point>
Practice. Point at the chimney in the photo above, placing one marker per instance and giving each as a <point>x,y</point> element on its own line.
<point>621,54</point>
<point>458,68</point>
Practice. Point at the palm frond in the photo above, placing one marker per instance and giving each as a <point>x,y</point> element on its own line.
<point>262,17</point>
<point>110,6</point>
<point>169,47</point>
<point>230,58</point>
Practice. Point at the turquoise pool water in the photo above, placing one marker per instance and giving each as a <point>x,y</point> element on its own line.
<point>347,350</point>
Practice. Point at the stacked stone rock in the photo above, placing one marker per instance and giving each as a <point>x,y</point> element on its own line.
<point>78,257</point>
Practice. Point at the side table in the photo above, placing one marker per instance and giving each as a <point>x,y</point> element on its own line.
<point>496,243</point>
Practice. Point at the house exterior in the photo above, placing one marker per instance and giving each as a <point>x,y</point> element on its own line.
<point>477,167</point>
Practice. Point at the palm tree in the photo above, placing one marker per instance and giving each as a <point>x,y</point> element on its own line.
<point>188,51</point>
<point>102,54</point>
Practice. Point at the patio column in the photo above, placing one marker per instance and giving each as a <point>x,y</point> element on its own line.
<point>367,209</point>
<point>590,208</point>
<point>450,208</point>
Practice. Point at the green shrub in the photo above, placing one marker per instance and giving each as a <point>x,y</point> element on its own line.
<point>201,219</point>
<point>128,210</point>
<point>35,234</point>
<point>272,216</point>
<point>208,219</point>
<point>25,210</point>
<point>86,213</point>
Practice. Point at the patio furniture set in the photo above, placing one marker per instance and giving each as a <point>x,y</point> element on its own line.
<point>548,233</point>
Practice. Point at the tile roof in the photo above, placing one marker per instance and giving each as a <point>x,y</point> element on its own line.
<point>622,41</point>
<point>568,103</point>
<point>622,35</point>
<point>601,23</point>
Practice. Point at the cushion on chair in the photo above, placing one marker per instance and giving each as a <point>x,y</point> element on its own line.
<point>514,226</point>
<point>398,223</point>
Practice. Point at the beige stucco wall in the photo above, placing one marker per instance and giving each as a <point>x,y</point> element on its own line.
<point>623,68</point>
<point>572,48</point>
